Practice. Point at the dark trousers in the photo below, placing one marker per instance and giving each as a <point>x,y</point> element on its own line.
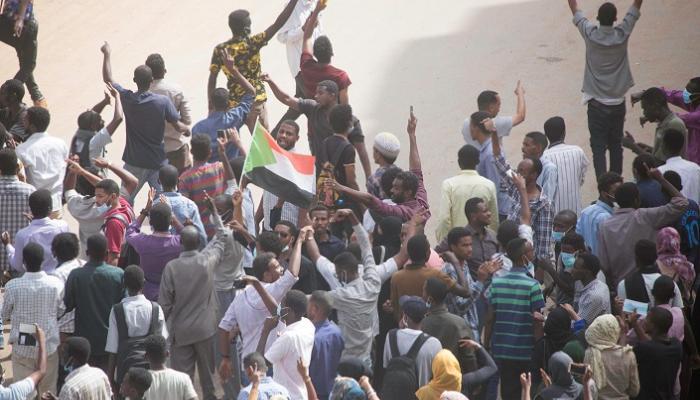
<point>26,48</point>
<point>291,113</point>
<point>606,125</point>
<point>509,371</point>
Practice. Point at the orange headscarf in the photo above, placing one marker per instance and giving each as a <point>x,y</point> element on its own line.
<point>446,376</point>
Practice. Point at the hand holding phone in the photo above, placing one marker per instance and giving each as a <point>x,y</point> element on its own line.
<point>27,334</point>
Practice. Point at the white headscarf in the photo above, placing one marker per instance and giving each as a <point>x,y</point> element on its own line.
<point>602,335</point>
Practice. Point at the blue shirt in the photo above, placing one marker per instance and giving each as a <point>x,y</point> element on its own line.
<point>145,114</point>
<point>589,222</point>
<point>548,179</point>
<point>233,118</point>
<point>266,390</point>
<point>487,169</point>
<point>650,194</point>
<point>183,209</point>
<point>331,248</point>
<point>325,357</point>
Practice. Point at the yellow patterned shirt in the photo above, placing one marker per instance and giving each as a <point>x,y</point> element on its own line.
<point>245,51</point>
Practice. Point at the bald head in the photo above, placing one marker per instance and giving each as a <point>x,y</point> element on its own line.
<point>143,76</point>
<point>189,237</point>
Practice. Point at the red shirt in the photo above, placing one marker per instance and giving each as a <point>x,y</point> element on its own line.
<point>313,72</point>
<point>114,228</point>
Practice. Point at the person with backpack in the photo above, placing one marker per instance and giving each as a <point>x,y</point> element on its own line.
<point>408,352</point>
<point>93,136</point>
<point>131,321</point>
<point>336,156</point>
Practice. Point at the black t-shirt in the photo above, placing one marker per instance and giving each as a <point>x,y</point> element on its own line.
<point>320,128</point>
<point>307,277</point>
<point>339,152</point>
<point>658,363</point>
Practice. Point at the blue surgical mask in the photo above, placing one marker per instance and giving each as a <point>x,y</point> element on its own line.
<point>567,260</point>
<point>102,209</point>
<point>557,236</point>
<point>686,96</point>
<point>531,268</point>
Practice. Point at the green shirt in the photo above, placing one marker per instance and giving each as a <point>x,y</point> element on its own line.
<point>92,291</point>
<point>672,121</point>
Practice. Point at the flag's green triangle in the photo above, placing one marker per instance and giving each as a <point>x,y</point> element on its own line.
<point>260,153</point>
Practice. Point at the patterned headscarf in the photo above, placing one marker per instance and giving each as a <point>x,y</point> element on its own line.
<point>602,335</point>
<point>670,260</point>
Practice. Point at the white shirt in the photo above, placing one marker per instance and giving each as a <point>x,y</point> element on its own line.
<point>34,298</point>
<point>572,164</point>
<point>97,144</point>
<point>690,176</point>
<point>424,359</point>
<point>86,383</point>
<point>40,231</point>
<point>649,280</point>
<point>295,341</point>
<point>66,324</point>
<point>170,384</point>
<point>248,312</point>
<point>503,126</point>
<point>137,312</point>
<point>291,33</point>
<point>18,390</point>
<point>172,138</point>
<point>90,221</point>
<point>44,159</point>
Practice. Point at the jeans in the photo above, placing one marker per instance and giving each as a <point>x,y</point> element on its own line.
<point>510,371</point>
<point>26,48</point>
<point>144,175</point>
<point>291,113</point>
<point>233,386</point>
<point>606,125</point>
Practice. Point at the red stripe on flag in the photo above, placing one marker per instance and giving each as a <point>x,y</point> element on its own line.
<point>303,163</point>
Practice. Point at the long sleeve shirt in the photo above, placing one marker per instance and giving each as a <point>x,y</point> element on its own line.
<point>548,180</point>
<point>40,231</point>
<point>172,138</point>
<point>541,213</point>
<point>292,35</point>
<point>572,164</point>
<point>691,120</point>
<point>406,209</point>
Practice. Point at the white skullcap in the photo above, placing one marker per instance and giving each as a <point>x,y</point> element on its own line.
<point>387,144</point>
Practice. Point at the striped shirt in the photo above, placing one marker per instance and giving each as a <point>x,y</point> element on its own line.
<point>572,164</point>
<point>195,181</point>
<point>514,297</point>
<point>86,382</point>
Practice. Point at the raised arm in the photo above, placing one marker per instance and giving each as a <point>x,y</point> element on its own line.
<point>237,76</point>
<point>221,148</point>
<point>573,5</point>
<point>37,375</point>
<point>118,113</point>
<point>519,116</point>
<point>211,85</point>
<point>106,63</point>
<point>75,170</point>
<point>637,3</point>
<point>266,297</point>
<point>362,197</point>
<point>106,100</point>
<point>413,155</point>
<point>295,258</point>
<point>281,19</point>
<point>525,216</point>
<point>666,185</point>
<point>284,98</point>
<point>310,25</point>
<point>129,181</point>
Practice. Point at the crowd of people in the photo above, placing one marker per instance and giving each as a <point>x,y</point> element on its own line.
<point>525,292</point>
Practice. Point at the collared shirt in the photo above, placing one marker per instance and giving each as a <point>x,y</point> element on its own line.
<point>92,291</point>
<point>234,117</point>
<point>18,390</point>
<point>155,251</point>
<point>406,209</point>
<point>172,138</point>
<point>187,293</point>
<point>137,313</point>
<point>14,197</point>
<point>514,297</point>
<point>245,51</point>
<point>465,307</point>
<point>195,181</point>
<point>541,213</point>
<point>267,390</point>
<point>374,182</point>
<point>592,300</point>
<point>90,221</point>
<point>503,125</point>
<point>689,173</point>
<point>292,35</point>
<point>548,179</point>
<point>86,382</point>
<point>589,223</point>
<point>671,122</point>
<point>607,71</point>
<point>295,342</point>
<point>325,357</point>
<point>691,120</point>
<point>618,234</point>
<point>248,312</point>
<point>572,164</point>
<point>184,209</point>
<point>33,298</point>
<point>146,114</point>
<point>454,194</point>
<point>487,169</point>
<point>40,231</point>
<point>44,159</point>
<point>66,324</point>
